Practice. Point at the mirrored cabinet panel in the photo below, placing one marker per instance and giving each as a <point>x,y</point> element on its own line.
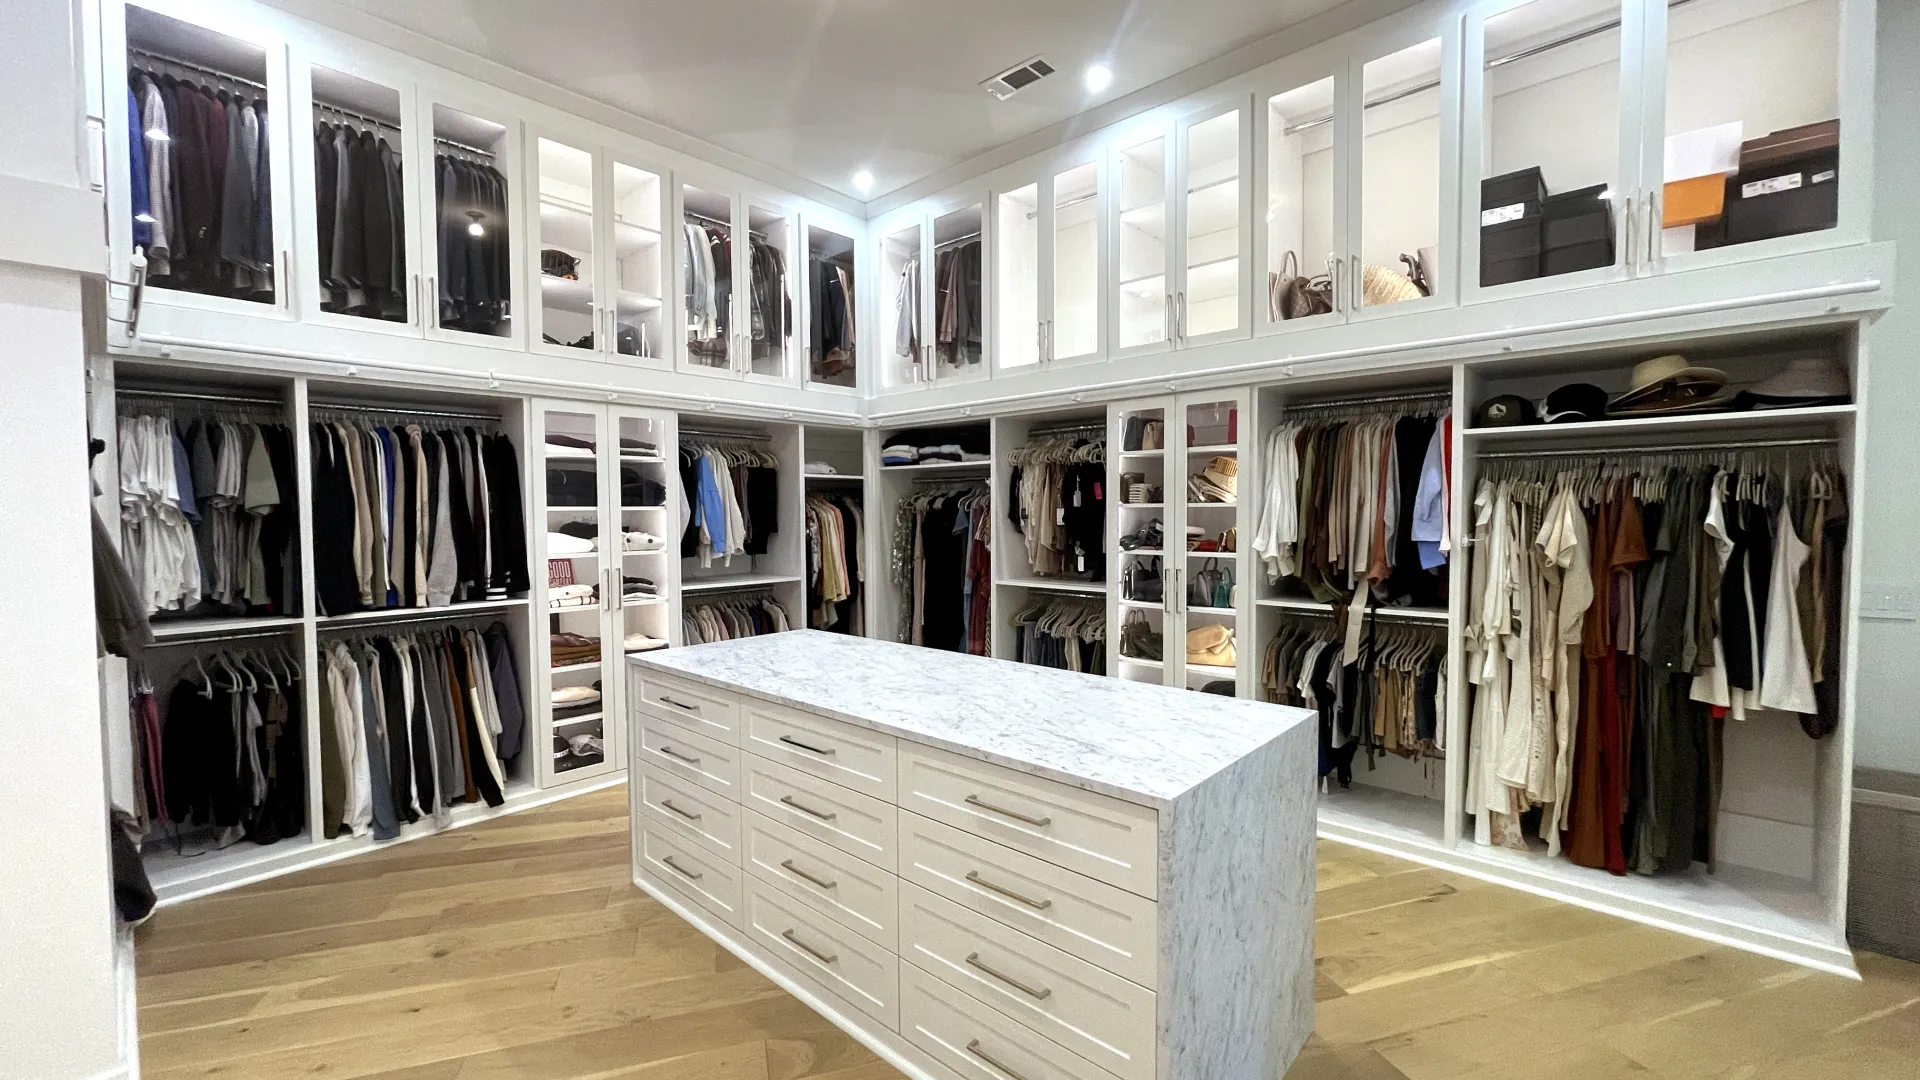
<point>638,283</point>
<point>1016,266</point>
<point>360,250</point>
<point>1209,296</point>
<point>1400,178</point>
<point>959,321</point>
<point>1305,237</point>
<point>1142,296</point>
<point>831,358</point>
<point>568,302</point>
<point>707,264</point>
<point>770,303</point>
<point>474,235</point>
<point>901,294</point>
<point>1073,331</point>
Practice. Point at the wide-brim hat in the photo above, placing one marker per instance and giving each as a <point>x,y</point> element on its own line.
<point>1655,378</point>
<point>1225,472</point>
<point>1807,380</point>
<point>1679,397</point>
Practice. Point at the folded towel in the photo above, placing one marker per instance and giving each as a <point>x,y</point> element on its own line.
<point>560,545</point>
<point>575,695</point>
<point>642,643</point>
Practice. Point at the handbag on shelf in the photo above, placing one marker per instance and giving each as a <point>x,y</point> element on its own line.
<point>1204,585</point>
<point>1142,581</point>
<point>1139,640</point>
<point>1417,273</point>
<point>1293,295</point>
<point>1210,646</point>
<point>1153,435</point>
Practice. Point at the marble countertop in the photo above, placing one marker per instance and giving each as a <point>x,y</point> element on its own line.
<point>1139,742</point>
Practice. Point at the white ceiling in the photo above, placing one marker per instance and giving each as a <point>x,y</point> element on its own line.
<point>821,88</point>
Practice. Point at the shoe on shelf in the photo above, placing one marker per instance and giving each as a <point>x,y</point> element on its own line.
<point>1147,536</point>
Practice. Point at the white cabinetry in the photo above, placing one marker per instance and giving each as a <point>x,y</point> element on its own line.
<point>1050,260</point>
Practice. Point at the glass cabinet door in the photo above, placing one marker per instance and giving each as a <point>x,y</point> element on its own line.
<point>707,267</point>
<point>1403,137</point>
<point>1207,579</point>
<point>474,279</point>
<point>902,293</point>
<point>1744,122</point>
<point>1305,236</point>
<point>360,259</point>
<point>1016,277</point>
<point>1140,520</point>
<point>570,301</point>
<point>1550,185</point>
<point>768,323</point>
<point>579,544</point>
<point>1072,330</point>
<point>636,279</point>
<point>1143,253</point>
<point>1209,298</point>
<point>647,544</point>
<point>830,311</point>
<point>958,319</point>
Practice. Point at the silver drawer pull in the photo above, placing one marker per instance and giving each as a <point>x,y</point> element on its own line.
<point>787,800</point>
<point>678,756</point>
<point>799,873</point>
<point>665,700</point>
<point>825,958</point>
<point>1041,822</point>
<point>973,1048</point>
<point>808,749</point>
<point>681,870</point>
<point>1037,905</point>
<point>1042,994</point>
<point>668,803</point>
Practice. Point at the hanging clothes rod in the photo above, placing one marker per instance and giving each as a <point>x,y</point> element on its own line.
<point>1498,61</point>
<point>1423,617</point>
<point>1656,448</point>
<point>1091,427</point>
<point>1075,201</point>
<point>974,235</point>
<point>488,154</point>
<point>351,115</point>
<point>230,635</point>
<point>727,225</point>
<point>1363,402</point>
<point>402,410</point>
<point>211,72</point>
<point>185,395</point>
<point>723,436</point>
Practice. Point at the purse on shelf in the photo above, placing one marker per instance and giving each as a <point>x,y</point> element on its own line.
<point>1153,435</point>
<point>1210,646</point>
<point>1293,295</point>
<point>1142,581</point>
<point>1212,587</point>
<point>1417,273</point>
<point>1139,640</point>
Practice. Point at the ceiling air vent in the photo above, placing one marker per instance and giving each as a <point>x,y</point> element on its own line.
<point>1018,78</point>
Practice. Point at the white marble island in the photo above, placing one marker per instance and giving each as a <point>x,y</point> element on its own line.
<point>983,869</point>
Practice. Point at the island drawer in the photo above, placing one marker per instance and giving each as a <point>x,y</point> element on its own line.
<point>680,808</point>
<point>855,891</point>
<point>1088,1010</point>
<point>680,752</point>
<point>847,755</point>
<point>800,936</point>
<point>857,824</point>
<point>691,870</point>
<point>978,1042</point>
<point>711,712</point>
<point>1104,838</point>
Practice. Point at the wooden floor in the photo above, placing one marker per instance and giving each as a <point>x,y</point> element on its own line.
<point>519,950</point>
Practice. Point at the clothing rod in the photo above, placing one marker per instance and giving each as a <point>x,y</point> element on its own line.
<point>1498,61</point>
<point>351,115</point>
<point>463,146</point>
<point>974,235</point>
<point>231,635</point>
<point>1362,402</point>
<point>1655,448</point>
<point>1075,201</point>
<point>1097,427</point>
<point>727,225</point>
<point>402,410</point>
<point>723,436</point>
<point>221,75</point>
<point>184,395</point>
<point>1425,618</point>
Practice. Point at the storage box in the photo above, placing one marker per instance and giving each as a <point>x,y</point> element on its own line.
<point>1784,198</point>
<point>1524,187</point>
<point>1510,252</point>
<point>1693,202</point>
<point>1576,257</point>
<point>1578,231</point>
<point>1790,144</point>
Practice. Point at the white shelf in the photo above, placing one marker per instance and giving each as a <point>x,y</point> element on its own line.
<point>936,466</point>
<point>634,509</point>
<point>566,294</point>
<point>642,459</point>
<point>1148,552</point>
<point>1142,506</point>
<point>1091,588</point>
<point>587,510</point>
<point>1212,506</point>
<point>568,669</point>
<point>1212,611</point>
<point>628,299</point>
<point>1216,448</point>
<point>628,235</point>
<point>592,555</point>
<point>1211,669</point>
<point>1289,603</point>
<point>1213,554</point>
<point>574,721</point>
<point>1143,605</point>
<point>1142,453</point>
<point>451,611</point>
<point>1685,424</point>
<point>1155,664</point>
<point>189,628</point>
<point>642,601</point>
<point>736,581</point>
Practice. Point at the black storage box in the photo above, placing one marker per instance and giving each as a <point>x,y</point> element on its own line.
<point>1796,196</point>
<point>1526,186</point>
<point>1510,238</point>
<point>572,487</point>
<point>1578,231</point>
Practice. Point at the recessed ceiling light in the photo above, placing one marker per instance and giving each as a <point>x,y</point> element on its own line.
<point>1098,78</point>
<point>863,181</point>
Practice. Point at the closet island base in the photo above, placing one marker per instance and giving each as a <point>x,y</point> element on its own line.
<point>983,869</point>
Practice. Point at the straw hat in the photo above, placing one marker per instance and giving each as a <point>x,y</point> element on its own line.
<point>1670,384</point>
<point>1381,285</point>
<point>1224,472</point>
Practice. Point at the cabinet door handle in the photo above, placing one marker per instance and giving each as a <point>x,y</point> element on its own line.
<point>1180,319</point>
<point>1040,994</point>
<point>681,870</point>
<point>825,958</point>
<point>973,1048</point>
<point>280,283</point>
<point>665,700</point>
<point>1654,223</point>
<point>788,800</point>
<point>1166,319</point>
<point>803,875</point>
<point>790,741</point>
<point>433,301</point>
<point>1629,220</point>
<point>1037,822</point>
<point>1037,905</point>
<point>678,756</point>
<point>1338,265</point>
<point>413,297</point>
<point>668,803</point>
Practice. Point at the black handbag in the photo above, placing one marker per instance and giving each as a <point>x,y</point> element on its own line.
<point>1139,640</point>
<point>1211,587</point>
<point>1143,582</point>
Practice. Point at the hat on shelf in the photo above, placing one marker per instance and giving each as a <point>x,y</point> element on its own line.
<point>1381,285</point>
<point>1667,384</point>
<point>1574,403</point>
<point>1805,381</point>
<point>1507,410</point>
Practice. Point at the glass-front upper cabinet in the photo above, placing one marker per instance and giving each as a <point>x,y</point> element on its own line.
<point>767,324</point>
<point>475,279</point>
<point>1016,277</point>
<point>1050,256</point>
<point>637,274</point>
<point>959,320</point>
<point>1405,135</point>
<point>832,359</point>
<point>1302,236</point>
<point>1142,170</point>
<point>359,246</point>
<point>568,223</point>
<point>1551,161</point>
<point>902,345</point>
<point>706,267</point>
<point>199,172</point>
<point>1210,293</point>
<point>1747,102</point>
<point>1073,327</point>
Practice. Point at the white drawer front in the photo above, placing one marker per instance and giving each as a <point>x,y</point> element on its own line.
<point>1101,837</point>
<point>1092,920</point>
<point>853,967</point>
<point>683,809</point>
<point>1090,1011</point>
<point>855,891</point>
<point>978,1042</point>
<point>710,712</point>
<point>849,756</point>
<point>678,751</point>
<point>689,869</point>
<point>859,824</point>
